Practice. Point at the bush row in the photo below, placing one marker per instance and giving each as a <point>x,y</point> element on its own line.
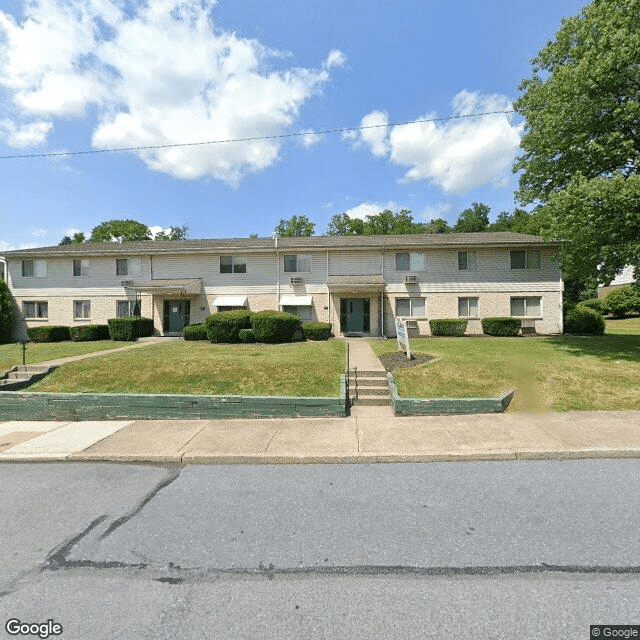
<point>264,326</point>
<point>448,327</point>
<point>130,329</point>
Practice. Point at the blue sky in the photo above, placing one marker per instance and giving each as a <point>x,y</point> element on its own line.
<point>116,73</point>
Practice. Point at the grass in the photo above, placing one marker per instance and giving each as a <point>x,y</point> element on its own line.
<point>558,373</point>
<point>11,354</point>
<point>298,369</point>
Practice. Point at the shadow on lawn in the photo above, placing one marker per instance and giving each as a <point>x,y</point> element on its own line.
<point>607,347</point>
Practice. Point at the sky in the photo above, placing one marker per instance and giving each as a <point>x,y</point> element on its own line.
<point>113,74</point>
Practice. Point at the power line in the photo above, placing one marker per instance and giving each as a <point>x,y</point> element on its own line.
<point>250,139</point>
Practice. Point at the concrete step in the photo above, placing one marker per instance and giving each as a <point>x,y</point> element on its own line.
<point>369,374</point>
<point>369,382</point>
<point>31,368</point>
<point>372,401</point>
<point>370,391</point>
<point>19,375</point>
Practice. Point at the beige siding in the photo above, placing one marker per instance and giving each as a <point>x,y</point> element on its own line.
<point>494,273</point>
<point>356,263</point>
<point>318,274</point>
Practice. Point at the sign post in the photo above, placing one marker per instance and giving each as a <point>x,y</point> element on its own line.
<point>403,337</point>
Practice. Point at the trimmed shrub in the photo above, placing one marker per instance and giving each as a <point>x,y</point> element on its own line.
<point>225,326</point>
<point>448,327</point>
<point>48,333</point>
<point>584,320</point>
<point>592,303</point>
<point>274,326</point>
<point>316,330</point>
<point>88,332</point>
<point>195,332</point>
<point>130,329</point>
<point>503,327</point>
<point>247,335</point>
<point>620,301</point>
<point>6,312</point>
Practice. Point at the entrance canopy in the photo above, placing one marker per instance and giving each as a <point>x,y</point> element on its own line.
<point>296,301</point>
<point>356,284</point>
<point>179,287</point>
<point>230,301</point>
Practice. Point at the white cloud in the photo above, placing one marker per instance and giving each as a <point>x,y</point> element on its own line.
<point>335,59</point>
<point>39,233</point>
<point>158,73</point>
<point>438,210</point>
<point>369,209</point>
<point>310,138</point>
<point>457,155</point>
<point>377,135</point>
<point>25,135</point>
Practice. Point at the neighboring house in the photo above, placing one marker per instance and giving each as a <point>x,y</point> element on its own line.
<point>358,283</point>
<point>624,278</point>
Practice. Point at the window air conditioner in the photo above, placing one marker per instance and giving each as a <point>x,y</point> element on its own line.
<point>296,280</point>
<point>411,279</point>
<point>127,283</point>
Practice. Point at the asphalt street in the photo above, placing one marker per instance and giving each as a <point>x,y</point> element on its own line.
<point>536,549</point>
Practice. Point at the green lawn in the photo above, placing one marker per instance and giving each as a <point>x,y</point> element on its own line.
<point>11,354</point>
<point>298,369</point>
<point>560,373</point>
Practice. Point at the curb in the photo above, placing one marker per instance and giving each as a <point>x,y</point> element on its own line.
<point>450,456</point>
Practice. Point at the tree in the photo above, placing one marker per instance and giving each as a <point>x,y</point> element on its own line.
<point>129,230</point>
<point>173,233</point>
<point>388,223</point>
<point>77,238</point>
<point>342,225</point>
<point>295,226</point>
<point>581,146</point>
<point>475,218</point>
<point>437,225</point>
<point>6,312</point>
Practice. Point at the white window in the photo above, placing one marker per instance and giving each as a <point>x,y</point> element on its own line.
<point>525,259</point>
<point>409,307</point>
<point>127,308</point>
<point>35,310</point>
<point>233,264</point>
<point>526,307</point>
<point>305,313</point>
<point>34,268</point>
<point>467,261</point>
<point>81,309</point>
<point>128,266</point>
<point>411,261</point>
<point>297,264</point>
<point>468,307</point>
<point>81,267</point>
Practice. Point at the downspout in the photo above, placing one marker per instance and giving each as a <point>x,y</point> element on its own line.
<point>275,237</point>
<point>382,294</point>
<point>328,292</point>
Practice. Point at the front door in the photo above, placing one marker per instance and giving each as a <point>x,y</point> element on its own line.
<point>352,315</point>
<point>176,315</point>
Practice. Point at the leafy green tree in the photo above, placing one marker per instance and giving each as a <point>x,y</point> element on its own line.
<point>129,230</point>
<point>295,226</point>
<point>619,302</point>
<point>342,225</point>
<point>388,223</point>
<point>475,218</point>
<point>581,147</point>
<point>437,225</point>
<point>77,238</point>
<point>174,233</point>
<point>6,312</point>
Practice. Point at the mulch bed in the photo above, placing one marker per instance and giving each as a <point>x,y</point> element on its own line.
<point>393,361</point>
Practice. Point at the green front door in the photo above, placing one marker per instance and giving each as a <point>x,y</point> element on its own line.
<point>176,315</point>
<point>352,310</point>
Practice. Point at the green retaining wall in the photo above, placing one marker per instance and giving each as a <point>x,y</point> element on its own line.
<point>446,406</point>
<point>135,406</point>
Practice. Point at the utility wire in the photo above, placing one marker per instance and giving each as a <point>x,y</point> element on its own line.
<point>251,139</point>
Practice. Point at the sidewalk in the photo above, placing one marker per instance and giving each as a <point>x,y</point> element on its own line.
<point>508,436</point>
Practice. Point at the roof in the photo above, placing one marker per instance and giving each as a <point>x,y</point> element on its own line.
<point>228,245</point>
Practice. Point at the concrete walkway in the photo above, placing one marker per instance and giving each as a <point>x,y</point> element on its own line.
<point>361,355</point>
<point>509,436</point>
<point>142,342</point>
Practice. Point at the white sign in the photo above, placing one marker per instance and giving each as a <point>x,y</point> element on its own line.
<point>403,336</point>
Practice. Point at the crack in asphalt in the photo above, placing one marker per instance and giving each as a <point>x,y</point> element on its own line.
<point>173,475</point>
